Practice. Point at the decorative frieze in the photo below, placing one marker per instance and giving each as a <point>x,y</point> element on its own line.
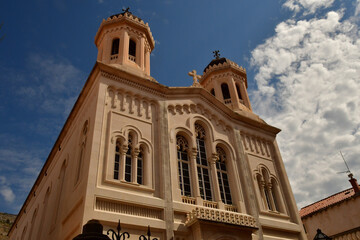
<point>221,216</point>
<point>122,101</point>
<point>181,109</point>
<point>124,208</point>
<point>256,145</point>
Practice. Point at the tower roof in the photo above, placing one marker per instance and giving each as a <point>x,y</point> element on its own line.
<point>129,18</point>
<point>220,64</point>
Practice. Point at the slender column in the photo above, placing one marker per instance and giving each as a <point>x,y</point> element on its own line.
<point>194,177</point>
<point>262,192</point>
<point>147,62</point>
<point>234,96</point>
<point>244,95</point>
<point>271,198</point>
<point>134,164</point>
<point>142,53</point>
<point>218,92</point>
<point>215,181</point>
<point>124,148</point>
<point>124,47</point>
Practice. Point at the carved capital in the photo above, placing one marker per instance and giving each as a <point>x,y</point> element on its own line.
<point>124,149</point>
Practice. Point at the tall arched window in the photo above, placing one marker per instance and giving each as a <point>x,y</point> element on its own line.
<point>115,46</point>
<point>117,160</point>
<point>132,50</point>
<point>183,165</point>
<point>140,164</point>
<point>128,160</point>
<point>225,91</point>
<point>222,176</point>
<point>202,165</point>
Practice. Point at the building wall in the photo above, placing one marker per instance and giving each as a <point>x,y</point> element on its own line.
<point>337,219</point>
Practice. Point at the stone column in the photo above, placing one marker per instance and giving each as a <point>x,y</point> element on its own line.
<point>215,180</point>
<point>233,93</point>
<point>141,54</point>
<point>194,177</point>
<point>134,164</point>
<point>123,150</point>
<point>244,95</point>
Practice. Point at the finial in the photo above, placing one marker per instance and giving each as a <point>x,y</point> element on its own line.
<point>126,10</point>
<point>195,78</point>
<point>216,54</point>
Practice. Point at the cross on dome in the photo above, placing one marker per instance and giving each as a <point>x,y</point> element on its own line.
<point>216,54</point>
<point>126,10</point>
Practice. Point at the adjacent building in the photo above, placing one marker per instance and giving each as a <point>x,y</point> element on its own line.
<point>192,162</point>
<point>338,216</point>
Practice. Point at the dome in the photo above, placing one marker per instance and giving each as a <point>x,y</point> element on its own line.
<point>216,61</point>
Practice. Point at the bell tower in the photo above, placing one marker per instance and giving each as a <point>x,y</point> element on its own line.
<point>126,41</point>
<point>227,82</point>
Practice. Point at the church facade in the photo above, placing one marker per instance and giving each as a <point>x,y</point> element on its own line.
<point>192,162</point>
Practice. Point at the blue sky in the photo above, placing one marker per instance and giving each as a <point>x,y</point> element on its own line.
<point>302,58</point>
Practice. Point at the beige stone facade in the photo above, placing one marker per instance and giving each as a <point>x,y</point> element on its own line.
<point>192,162</point>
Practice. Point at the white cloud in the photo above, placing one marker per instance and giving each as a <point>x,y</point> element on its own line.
<point>52,86</point>
<point>6,191</point>
<point>308,78</point>
<point>308,6</point>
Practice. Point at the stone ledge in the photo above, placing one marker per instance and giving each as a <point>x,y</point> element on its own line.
<point>220,216</point>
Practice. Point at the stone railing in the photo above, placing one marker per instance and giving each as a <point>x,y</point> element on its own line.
<point>188,200</point>
<point>114,57</point>
<point>210,204</point>
<point>230,208</point>
<point>221,216</point>
<point>132,58</point>
<point>227,101</point>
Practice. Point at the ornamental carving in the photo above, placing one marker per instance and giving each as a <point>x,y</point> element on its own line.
<point>181,109</point>
<point>181,143</point>
<point>221,154</point>
<point>128,103</point>
<point>256,145</point>
<point>216,215</point>
<point>199,131</point>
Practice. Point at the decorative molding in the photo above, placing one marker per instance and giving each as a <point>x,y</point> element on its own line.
<point>224,75</point>
<point>228,63</point>
<point>197,109</point>
<point>216,215</point>
<point>121,101</point>
<point>124,208</point>
<point>131,83</point>
<point>256,145</point>
<point>353,235</point>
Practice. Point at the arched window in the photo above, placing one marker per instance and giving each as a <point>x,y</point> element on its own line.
<point>128,160</point>
<point>117,160</point>
<point>269,191</point>
<point>222,176</point>
<point>238,91</point>
<point>212,91</point>
<point>115,46</point>
<point>202,165</point>
<point>132,50</point>
<point>183,165</point>
<point>225,91</point>
<point>140,164</point>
